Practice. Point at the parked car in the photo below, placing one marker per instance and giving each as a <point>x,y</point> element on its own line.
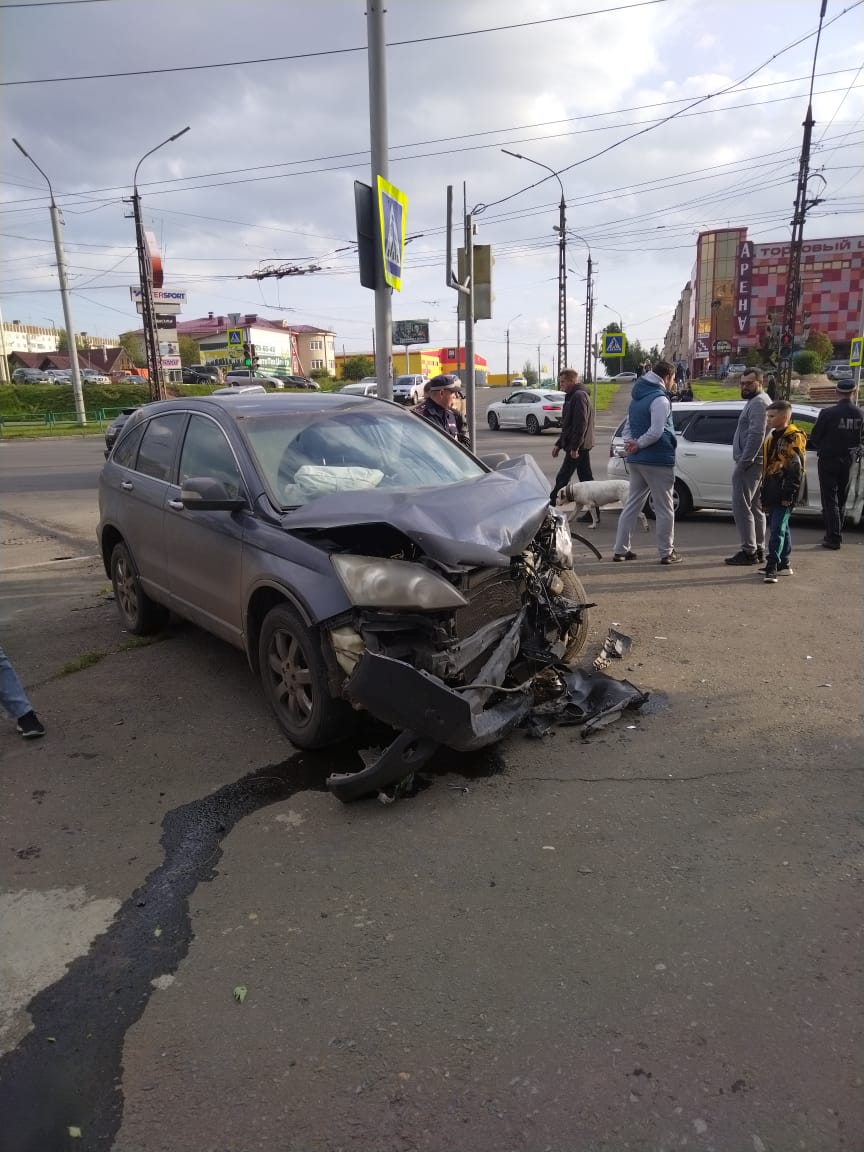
<point>622,377</point>
<point>245,376</point>
<point>91,376</point>
<point>341,543</point>
<point>29,376</point>
<point>291,381</point>
<point>839,370</point>
<point>408,389</point>
<point>530,409</point>
<point>116,426</point>
<point>368,386</point>
<point>703,462</point>
<point>518,382</point>
<point>128,378</point>
<point>202,374</point>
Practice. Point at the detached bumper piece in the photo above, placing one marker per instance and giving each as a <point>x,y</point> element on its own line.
<point>588,700</point>
<point>430,713</point>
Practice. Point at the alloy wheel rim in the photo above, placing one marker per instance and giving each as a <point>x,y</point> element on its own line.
<point>291,677</point>
<point>126,591</point>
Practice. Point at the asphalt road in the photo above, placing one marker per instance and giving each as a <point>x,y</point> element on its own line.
<point>647,940</point>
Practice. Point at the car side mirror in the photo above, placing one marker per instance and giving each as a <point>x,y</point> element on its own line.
<point>201,494</point>
<point>494,460</point>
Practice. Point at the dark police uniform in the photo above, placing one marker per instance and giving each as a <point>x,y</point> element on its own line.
<point>836,436</point>
<point>449,421</point>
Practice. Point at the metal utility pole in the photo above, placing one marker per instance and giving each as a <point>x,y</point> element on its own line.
<point>4,363</point>
<point>145,276</point>
<point>77,390</point>
<point>589,322</point>
<point>793,273</point>
<point>539,382</point>
<point>465,288</point>
<point>515,318</point>
<point>561,229</point>
<point>380,149</point>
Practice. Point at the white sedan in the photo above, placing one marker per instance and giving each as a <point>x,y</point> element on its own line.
<point>531,409</point>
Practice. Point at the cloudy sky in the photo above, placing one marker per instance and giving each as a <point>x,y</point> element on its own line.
<point>266,172</point>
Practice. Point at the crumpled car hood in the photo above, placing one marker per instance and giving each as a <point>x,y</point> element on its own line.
<point>483,521</point>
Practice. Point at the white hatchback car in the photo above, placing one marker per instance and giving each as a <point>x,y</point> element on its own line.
<point>531,409</point>
<point>703,462</point>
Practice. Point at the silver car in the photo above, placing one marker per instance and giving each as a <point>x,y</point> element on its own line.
<point>359,557</point>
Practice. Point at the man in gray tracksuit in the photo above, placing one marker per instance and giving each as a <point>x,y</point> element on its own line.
<point>747,473</point>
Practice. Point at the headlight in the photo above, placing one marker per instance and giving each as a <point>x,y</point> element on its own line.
<point>375,583</point>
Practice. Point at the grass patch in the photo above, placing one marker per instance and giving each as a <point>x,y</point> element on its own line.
<point>87,660</point>
<point>141,642</point>
<point>605,394</point>
<point>713,390</point>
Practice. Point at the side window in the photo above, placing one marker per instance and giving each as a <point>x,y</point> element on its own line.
<point>803,421</point>
<point>680,420</point>
<point>206,452</point>
<point>159,444</point>
<point>127,448</point>
<point>717,429</point>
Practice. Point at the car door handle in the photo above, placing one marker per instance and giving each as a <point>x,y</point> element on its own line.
<point>689,453</point>
<point>177,505</point>
<point>126,485</point>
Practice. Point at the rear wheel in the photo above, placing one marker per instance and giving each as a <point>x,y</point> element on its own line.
<point>295,681</point>
<point>492,421</point>
<point>578,635</point>
<point>682,502</point>
<point>139,614</point>
<point>533,426</point>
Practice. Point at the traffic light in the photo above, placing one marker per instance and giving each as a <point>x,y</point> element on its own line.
<point>786,342</point>
<point>247,355</point>
<point>253,358</point>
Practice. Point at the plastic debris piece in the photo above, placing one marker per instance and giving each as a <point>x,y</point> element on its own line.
<point>74,1131</point>
<point>240,993</point>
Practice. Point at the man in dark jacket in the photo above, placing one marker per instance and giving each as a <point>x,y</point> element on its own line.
<point>576,438</point>
<point>837,438</point>
<point>437,407</point>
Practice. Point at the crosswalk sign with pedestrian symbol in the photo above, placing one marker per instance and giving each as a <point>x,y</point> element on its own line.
<point>392,213</point>
<point>614,344</point>
<point>235,337</point>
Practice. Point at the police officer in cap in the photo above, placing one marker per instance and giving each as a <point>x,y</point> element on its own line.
<point>837,436</point>
<point>437,407</point>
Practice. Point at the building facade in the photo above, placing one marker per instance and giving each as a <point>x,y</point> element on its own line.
<point>735,298</point>
<point>18,337</point>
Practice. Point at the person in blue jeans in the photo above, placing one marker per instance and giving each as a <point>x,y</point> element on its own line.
<point>783,456</point>
<point>15,702</point>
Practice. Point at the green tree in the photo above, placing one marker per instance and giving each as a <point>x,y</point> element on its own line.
<point>632,359</point>
<point>807,363</point>
<point>190,353</point>
<point>134,347</point>
<point>753,358</point>
<point>530,374</point>
<point>356,367</point>
<point>81,341</point>
<point>819,343</point>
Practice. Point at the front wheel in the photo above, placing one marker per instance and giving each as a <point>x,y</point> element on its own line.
<point>295,681</point>
<point>492,421</point>
<point>138,613</point>
<point>682,502</point>
<point>533,426</point>
<point>577,637</point>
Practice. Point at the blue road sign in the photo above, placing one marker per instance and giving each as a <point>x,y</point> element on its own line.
<point>614,344</point>
<point>392,211</point>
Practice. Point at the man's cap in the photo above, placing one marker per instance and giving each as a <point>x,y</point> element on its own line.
<point>441,384</point>
<point>845,385</point>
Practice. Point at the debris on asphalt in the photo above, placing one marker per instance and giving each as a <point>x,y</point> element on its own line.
<point>240,993</point>
<point>616,645</point>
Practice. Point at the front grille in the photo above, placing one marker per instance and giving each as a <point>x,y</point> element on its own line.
<point>493,596</point>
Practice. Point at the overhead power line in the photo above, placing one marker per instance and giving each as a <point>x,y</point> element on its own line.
<point>333,51</point>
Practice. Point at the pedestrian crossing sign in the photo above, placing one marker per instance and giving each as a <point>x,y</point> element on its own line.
<point>614,343</point>
<point>855,352</point>
<point>392,213</point>
<point>235,337</point>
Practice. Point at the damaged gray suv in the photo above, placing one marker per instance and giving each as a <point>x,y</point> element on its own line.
<point>359,557</point>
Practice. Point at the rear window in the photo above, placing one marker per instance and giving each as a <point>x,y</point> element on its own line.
<point>555,397</point>
<point>713,429</point>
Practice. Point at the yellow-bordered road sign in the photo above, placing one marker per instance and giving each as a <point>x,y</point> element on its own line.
<point>855,352</point>
<point>614,344</point>
<point>235,337</point>
<point>392,212</point>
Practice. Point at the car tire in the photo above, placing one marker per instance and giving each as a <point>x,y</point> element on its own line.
<point>492,421</point>
<point>533,426</point>
<point>577,637</point>
<point>138,613</point>
<point>296,682</point>
<point>682,502</point>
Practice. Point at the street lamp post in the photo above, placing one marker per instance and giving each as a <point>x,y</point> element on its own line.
<point>77,390</point>
<point>145,275</point>
<point>508,346</point>
<point>562,259</point>
<point>589,307</point>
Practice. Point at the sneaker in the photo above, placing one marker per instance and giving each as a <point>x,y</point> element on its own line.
<point>830,545</point>
<point>742,558</point>
<point>770,576</point>
<point>628,555</point>
<point>30,726</point>
<point>760,555</point>
<point>783,570</point>
<point>672,558</point>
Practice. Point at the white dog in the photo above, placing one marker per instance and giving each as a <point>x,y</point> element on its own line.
<point>592,495</point>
